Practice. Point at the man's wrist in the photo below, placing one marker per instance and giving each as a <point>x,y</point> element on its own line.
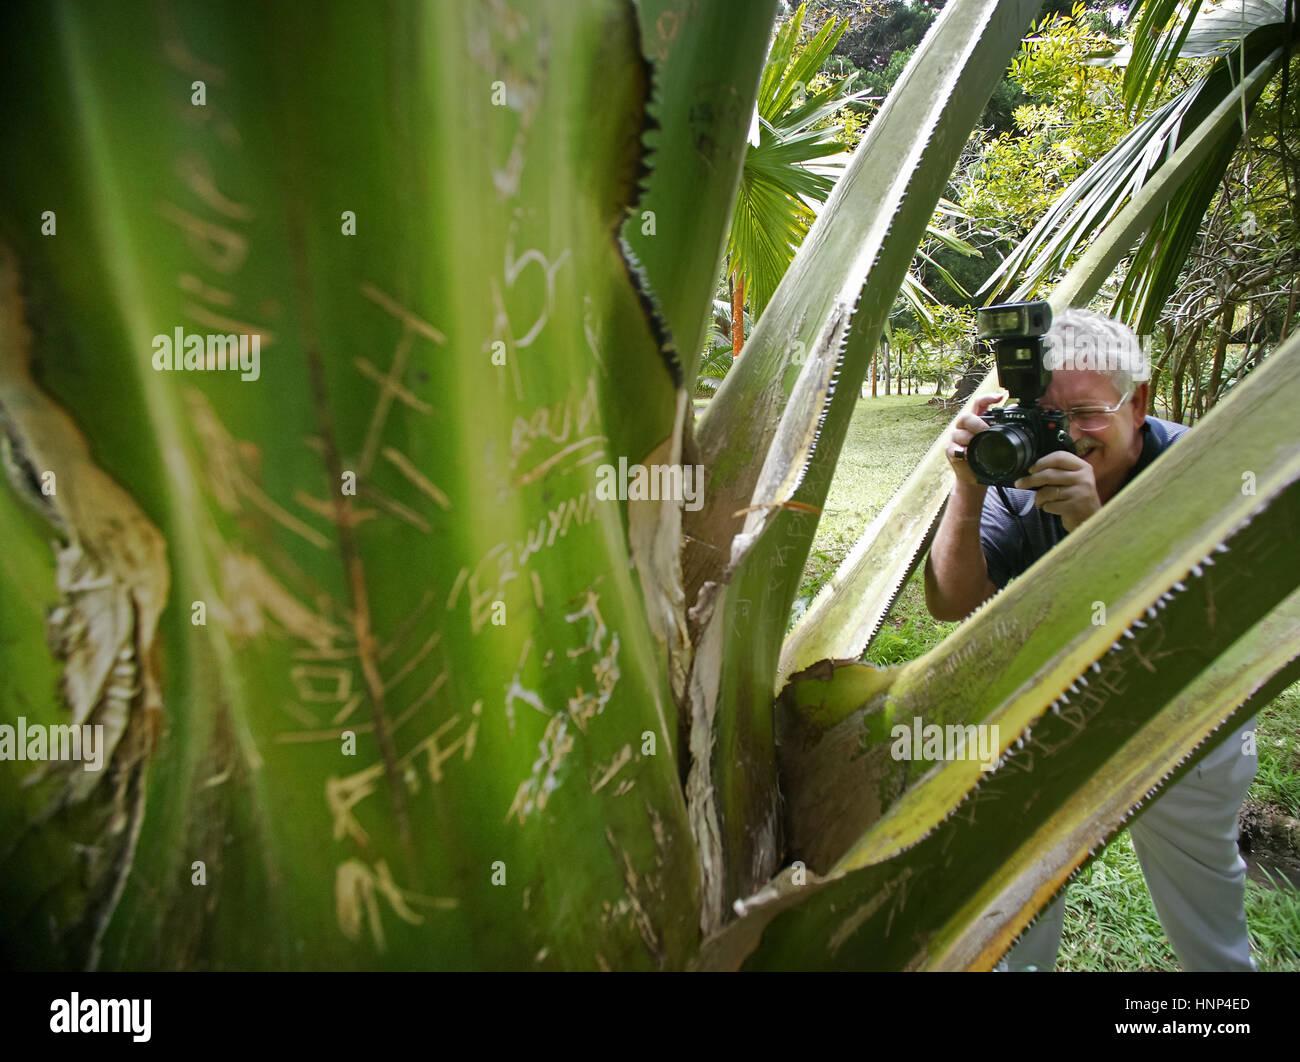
<point>965,507</point>
<point>972,490</point>
<point>967,501</point>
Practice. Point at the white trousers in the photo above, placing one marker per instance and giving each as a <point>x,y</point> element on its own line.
<point>1186,843</point>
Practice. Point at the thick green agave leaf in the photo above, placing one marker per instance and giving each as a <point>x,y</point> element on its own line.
<point>393,531</point>
<point>71,826</point>
<point>706,60</point>
<point>1238,681</point>
<point>778,416</point>
<point>698,143</point>
<point>921,910</point>
<point>758,435</point>
<point>1093,710</point>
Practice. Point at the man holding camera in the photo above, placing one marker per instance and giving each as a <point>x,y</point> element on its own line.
<point>1064,468</point>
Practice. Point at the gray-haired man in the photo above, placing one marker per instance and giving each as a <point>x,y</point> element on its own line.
<point>1186,840</point>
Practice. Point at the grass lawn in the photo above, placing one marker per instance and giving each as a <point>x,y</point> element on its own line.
<point>1110,921</point>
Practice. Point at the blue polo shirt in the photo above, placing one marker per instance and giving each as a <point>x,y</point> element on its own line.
<point>1005,551</point>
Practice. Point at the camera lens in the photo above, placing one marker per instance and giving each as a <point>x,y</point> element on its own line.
<point>1003,452</point>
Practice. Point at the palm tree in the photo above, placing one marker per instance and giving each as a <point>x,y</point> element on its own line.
<point>791,162</point>
<point>791,165</point>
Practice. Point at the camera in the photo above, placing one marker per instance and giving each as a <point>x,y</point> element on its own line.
<point>1017,435</point>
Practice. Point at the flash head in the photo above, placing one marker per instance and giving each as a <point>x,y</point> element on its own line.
<point>1014,319</point>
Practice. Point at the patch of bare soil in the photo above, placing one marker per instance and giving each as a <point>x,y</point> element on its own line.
<point>1269,841</point>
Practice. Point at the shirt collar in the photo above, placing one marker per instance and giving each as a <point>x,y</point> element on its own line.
<point>1150,450</point>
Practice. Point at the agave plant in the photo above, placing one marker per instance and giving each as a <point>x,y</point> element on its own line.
<point>387,676</point>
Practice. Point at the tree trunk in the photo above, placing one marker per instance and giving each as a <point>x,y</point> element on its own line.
<point>873,370</point>
<point>1220,351</point>
<point>738,316</point>
<point>972,375</point>
<point>1176,414</point>
<point>1157,368</point>
<point>1194,406</point>
<point>1180,358</point>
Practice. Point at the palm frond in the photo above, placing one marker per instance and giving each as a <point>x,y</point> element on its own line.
<point>791,165</point>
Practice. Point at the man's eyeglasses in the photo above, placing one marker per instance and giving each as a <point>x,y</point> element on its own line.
<point>1092,417</point>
